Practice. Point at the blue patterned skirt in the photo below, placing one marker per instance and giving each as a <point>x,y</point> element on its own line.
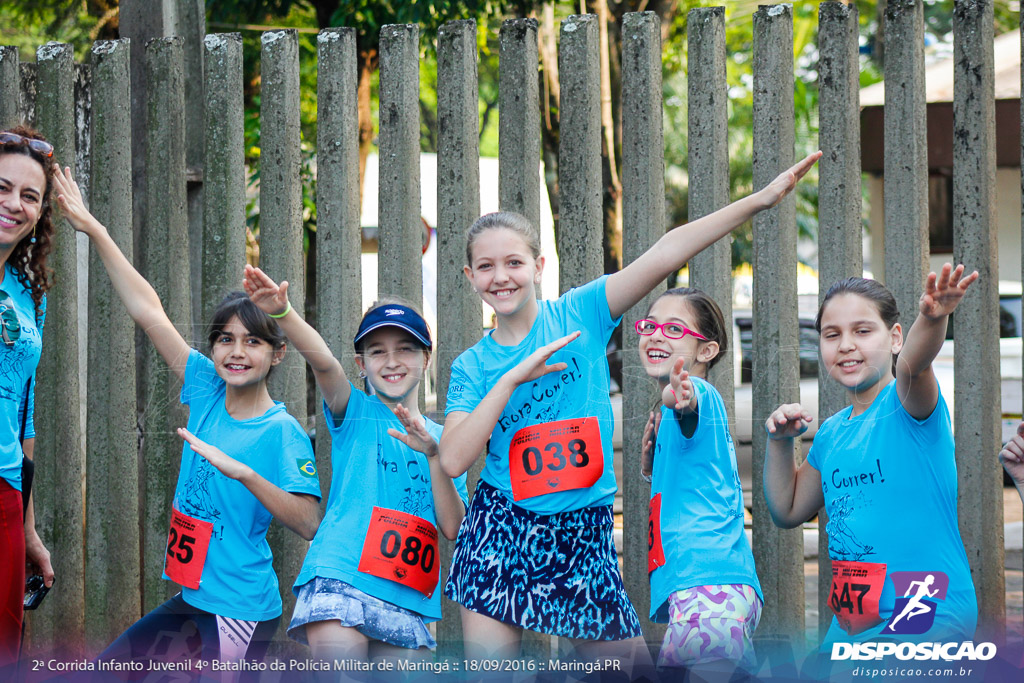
<point>555,574</point>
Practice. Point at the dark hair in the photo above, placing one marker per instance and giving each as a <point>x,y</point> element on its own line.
<point>396,301</point>
<point>509,220</point>
<point>253,319</point>
<point>872,290</point>
<point>710,322</point>
<point>28,259</point>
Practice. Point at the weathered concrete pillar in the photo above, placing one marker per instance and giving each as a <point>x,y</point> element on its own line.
<point>281,251</point>
<point>906,157</point>
<point>840,248</point>
<point>27,112</point>
<point>10,87</point>
<point>223,240</point>
<point>190,24</point>
<point>401,231</point>
<point>338,243</point>
<point>708,169</point>
<point>581,218</point>
<point>458,205</point>
<point>112,597</point>
<point>643,220</point>
<point>59,455</point>
<point>778,553</point>
<point>164,263</point>
<point>976,362</point>
<point>519,120</point>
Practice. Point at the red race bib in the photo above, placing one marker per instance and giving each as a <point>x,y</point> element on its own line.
<point>655,553</point>
<point>555,456</point>
<point>187,545</point>
<point>403,548</point>
<point>856,588</point>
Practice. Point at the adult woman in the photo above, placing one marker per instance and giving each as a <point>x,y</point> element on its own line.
<point>26,230</point>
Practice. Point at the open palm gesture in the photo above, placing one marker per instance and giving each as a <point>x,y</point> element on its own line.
<point>943,292</point>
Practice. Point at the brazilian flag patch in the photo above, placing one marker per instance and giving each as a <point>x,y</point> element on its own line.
<point>306,466</point>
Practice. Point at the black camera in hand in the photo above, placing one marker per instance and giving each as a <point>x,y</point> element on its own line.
<point>35,591</point>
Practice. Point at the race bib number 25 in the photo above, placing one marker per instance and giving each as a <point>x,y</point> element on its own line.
<point>187,545</point>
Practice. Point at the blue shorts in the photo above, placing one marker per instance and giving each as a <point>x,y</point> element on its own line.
<point>323,599</point>
<point>556,574</point>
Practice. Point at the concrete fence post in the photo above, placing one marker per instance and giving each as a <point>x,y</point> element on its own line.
<point>840,241</point>
<point>401,231</point>
<point>164,252</point>
<point>519,120</point>
<point>10,87</point>
<point>708,169</point>
<point>977,362</point>
<point>643,206</point>
<point>281,253</point>
<point>59,452</point>
<point>458,205</point>
<point>906,161</point>
<point>778,553</point>
<point>112,594</point>
<point>223,188</point>
<point>581,217</point>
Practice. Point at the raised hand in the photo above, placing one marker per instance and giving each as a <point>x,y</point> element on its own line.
<point>416,435</point>
<point>784,183</point>
<point>69,198</point>
<point>1012,457</point>
<point>270,297</point>
<point>682,385</point>
<point>943,292</point>
<point>787,421</point>
<point>535,365</point>
<point>228,466</point>
<point>647,449</point>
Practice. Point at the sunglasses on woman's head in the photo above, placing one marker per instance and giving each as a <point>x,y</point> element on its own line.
<point>10,328</point>
<point>670,329</point>
<point>41,146</point>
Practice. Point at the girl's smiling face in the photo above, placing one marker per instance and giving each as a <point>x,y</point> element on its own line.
<point>658,353</point>
<point>394,362</point>
<point>22,188</point>
<point>856,345</point>
<point>242,359</point>
<point>503,271</point>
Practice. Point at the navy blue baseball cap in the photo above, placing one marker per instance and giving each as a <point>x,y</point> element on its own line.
<point>395,315</point>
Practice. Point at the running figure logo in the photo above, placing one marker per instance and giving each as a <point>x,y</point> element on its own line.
<point>914,613</point>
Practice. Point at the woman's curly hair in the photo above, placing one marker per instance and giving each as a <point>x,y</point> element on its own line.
<point>29,258</point>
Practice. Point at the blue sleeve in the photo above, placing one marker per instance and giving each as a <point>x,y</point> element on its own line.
<point>297,471</point>
<point>28,404</point>
<point>465,391</point>
<point>201,381</point>
<point>355,411</point>
<point>589,303</point>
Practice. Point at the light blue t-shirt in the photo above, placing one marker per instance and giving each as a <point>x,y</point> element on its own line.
<point>17,365</point>
<point>701,504</point>
<point>579,391</point>
<point>890,487</point>
<point>238,579</point>
<point>372,468</point>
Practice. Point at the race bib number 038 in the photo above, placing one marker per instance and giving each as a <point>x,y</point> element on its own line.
<point>401,547</point>
<point>187,545</point>
<point>655,552</point>
<point>555,456</point>
<point>856,588</point>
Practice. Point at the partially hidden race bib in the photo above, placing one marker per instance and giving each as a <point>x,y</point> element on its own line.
<point>856,588</point>
<point>187,545</point>
<point>655,553</point>
<point>401,547</point>
<point>555,456</point>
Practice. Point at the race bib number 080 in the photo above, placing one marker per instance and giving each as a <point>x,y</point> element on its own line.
<point>555,456</point>
<point>403,548</point>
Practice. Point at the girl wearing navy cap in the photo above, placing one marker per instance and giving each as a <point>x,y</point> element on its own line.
<point>368,585</point>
